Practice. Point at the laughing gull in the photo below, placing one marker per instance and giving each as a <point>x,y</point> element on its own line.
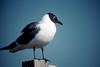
<point>35,35</point>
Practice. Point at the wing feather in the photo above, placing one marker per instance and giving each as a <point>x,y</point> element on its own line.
<point>28,33</point>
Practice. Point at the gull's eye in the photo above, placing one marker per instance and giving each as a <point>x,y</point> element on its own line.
<point>54,17</point>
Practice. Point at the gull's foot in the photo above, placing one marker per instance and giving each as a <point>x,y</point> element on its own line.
<point>42,59</point>
<point>37,58</point>
<point>46,59</point>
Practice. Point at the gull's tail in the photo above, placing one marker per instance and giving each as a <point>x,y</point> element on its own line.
<point>5,48</point>
<point>10,47</point>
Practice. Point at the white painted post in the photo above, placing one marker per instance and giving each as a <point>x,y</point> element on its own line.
<point>40,63</point>
<point>37,63</point>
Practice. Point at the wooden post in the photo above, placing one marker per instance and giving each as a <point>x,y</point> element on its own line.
<point>35,63</point>
<point>40,63</point>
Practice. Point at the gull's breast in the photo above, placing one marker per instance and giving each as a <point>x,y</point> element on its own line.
<point>47,32</point>
<point>44,36</point>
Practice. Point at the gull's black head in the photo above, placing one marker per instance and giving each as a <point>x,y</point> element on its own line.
<point>54,18</point>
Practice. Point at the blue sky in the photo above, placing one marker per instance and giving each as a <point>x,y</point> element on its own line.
<point>77,42</point>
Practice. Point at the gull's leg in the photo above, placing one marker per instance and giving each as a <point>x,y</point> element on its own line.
<point>43,55</point>
<point>42,52</point>
<point>34,52</point>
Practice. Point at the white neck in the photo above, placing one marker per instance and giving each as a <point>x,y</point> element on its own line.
<point>48,29</point>
<point>46,19</point>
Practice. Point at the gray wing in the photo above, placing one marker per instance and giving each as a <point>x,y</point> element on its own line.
<point>28,33</point>
<point>29,27</point>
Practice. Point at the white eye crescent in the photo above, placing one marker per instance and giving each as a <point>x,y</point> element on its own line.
<point>54,17</point>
